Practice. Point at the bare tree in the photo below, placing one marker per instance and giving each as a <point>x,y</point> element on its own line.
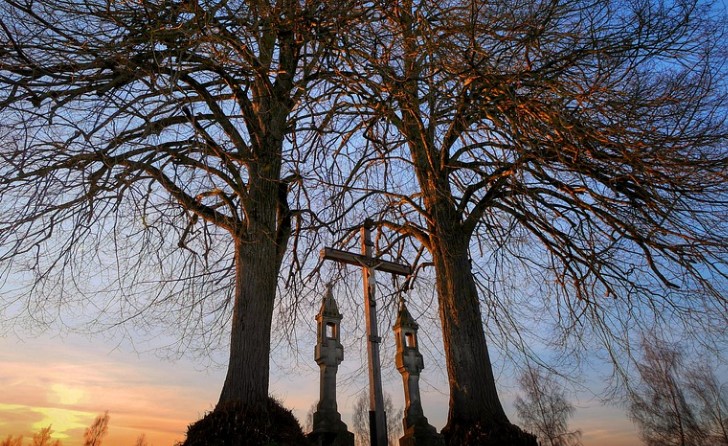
<point>141,440</point>
<point>360,420</point>
<point>95,433</point>
<point>159,137</point>
<point>12,441</point>
<point>675,404</point>
<point>43,438</point>
<point>582,142</point>
<point>544,409</point>
<point>308,422</point>
<point>711,396</point>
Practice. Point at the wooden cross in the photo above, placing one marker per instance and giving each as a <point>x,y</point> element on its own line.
<point>365,260</point>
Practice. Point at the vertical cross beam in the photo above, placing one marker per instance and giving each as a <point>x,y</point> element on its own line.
<point>377,417</point>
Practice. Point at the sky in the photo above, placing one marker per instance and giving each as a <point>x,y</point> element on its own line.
<point>67,380</point>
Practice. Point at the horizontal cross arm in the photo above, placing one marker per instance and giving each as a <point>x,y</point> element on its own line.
<point>360,260</point>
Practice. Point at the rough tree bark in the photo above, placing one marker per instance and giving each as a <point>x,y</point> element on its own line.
<point>473,394</point>
<point>259,249</point>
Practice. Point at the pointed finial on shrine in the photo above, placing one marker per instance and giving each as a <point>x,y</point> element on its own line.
<point>405,319</point>
<point>328,305</point>
<point>409,362</point>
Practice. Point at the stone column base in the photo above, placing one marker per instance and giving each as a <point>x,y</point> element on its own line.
<point>340,438</point>
<point>421,435</point>
<point>329,430</point>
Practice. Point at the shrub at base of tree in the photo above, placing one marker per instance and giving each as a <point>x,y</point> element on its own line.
<point>237,425</point>
<point>492,433</point>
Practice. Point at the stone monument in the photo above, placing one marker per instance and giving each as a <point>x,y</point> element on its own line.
<point>417,430</point>
<point>328,429</point>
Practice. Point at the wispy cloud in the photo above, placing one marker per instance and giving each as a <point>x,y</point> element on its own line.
<point>67,387</point>
<point>19,419</point>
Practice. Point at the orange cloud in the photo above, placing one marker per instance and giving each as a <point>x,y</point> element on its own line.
<point>27,420</point>
<point>14,415</point>
<point>68,392</point>
<point>65,422</point>
<point>67,395</point>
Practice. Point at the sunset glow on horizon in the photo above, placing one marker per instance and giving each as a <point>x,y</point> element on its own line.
<point>67,384</point>
<point>67,389</point>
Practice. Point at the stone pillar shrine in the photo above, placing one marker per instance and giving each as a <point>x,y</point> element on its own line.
<point>328,429</point>
<point>417,430</point>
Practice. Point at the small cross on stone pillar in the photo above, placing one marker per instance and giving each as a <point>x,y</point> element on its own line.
<point>328,429</point>
<point>417,430</point>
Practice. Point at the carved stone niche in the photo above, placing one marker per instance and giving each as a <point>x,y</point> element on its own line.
<point>417,430</point>
<point>328,429</point>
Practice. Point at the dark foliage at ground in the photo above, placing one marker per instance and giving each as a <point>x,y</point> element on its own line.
<point>237,425</point>
<point>487,434</point>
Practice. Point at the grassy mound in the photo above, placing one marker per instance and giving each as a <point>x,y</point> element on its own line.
<point>238,425</point>
<point>487,434</point>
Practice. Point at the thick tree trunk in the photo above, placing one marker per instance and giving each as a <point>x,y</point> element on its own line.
<point>259,248</point>
<point>256,274</point>
<point>473,394</point>
<point>261,241</point>
<point>476,416</point>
